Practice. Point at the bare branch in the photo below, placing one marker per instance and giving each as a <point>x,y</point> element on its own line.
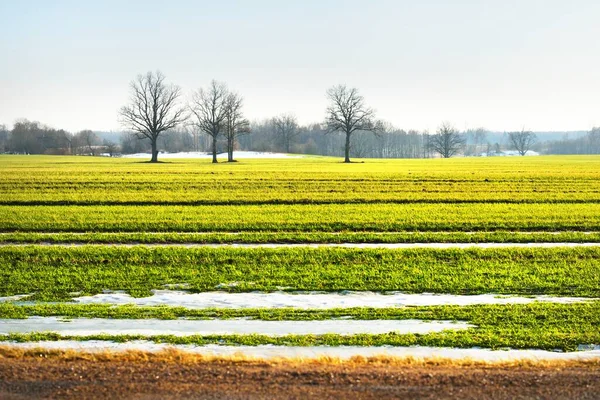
<point>447,141</point>
<point>209,108</point>
<point>153,108</point>
<point>286,129</point>
<point>348,113</point>
<point>522,141</point>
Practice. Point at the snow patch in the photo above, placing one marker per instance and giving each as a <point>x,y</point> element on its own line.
<point>185,327</point>
<point>16,297</point>
<point>313,300</point>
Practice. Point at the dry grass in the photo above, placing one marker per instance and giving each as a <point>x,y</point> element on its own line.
<point>172,355</point>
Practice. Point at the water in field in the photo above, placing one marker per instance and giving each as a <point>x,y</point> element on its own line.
<point>311,300</point>
<point>183,327</point>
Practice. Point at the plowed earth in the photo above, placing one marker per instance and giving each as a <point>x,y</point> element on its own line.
<point>49,378</point>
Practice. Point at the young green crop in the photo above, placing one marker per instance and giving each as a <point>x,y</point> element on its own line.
<point>297,237</point>
<point>303,218</point>
<point>542,326</point>
<point>53,273</point>
<point>38,180</point>
<point>536,314</point>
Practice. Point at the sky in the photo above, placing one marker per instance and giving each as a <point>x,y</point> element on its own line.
<point>499,64</point>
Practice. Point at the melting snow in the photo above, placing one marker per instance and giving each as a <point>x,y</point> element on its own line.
<point>312,300</point>
<point>182,327</point>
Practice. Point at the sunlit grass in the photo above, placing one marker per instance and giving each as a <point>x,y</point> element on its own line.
<point>55,272</point>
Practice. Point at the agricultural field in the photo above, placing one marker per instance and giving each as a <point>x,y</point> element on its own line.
<point>303,257</point>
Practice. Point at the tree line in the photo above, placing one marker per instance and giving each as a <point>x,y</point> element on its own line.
<point>157,118</point>
<point>30,137</point>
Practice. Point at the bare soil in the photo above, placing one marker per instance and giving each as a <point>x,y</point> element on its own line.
<point>59,378</point>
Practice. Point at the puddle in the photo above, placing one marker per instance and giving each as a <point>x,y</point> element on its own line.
<point>181,327</point>
<point>341,352</point>
<point>312,300</point>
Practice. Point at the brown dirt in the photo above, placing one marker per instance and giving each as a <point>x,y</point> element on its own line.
<point>60,377</point>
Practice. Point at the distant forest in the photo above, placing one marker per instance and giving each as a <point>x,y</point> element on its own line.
<point>28,137</point>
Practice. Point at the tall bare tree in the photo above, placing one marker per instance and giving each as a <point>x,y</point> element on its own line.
<point>88,139</point>
<point>286,129</point>
<point>110,147</point>
<point>348,113</point>
<point>235,123</point>
<point>522,141</point>
<point>154,108</point>
<point>209,107</point>
<point>447,141</point>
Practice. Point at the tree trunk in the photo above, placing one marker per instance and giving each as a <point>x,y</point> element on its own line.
<point>347,148</point>
<point>154,151</point>
<point>214,149</point>
<point>229,149</point>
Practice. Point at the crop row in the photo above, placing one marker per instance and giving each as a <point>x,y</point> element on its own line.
<point>251,191</point>
<point>303,218</point>
<point>554,167</point>
<point>584,313</point>
<point>56,273</point>
<point>542,326</point>
<point>297,237</point>
<point>42,180</point>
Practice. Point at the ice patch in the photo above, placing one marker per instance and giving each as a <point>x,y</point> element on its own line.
<point>313,300</point>
<point>182,327</point>
<point>341,352</point>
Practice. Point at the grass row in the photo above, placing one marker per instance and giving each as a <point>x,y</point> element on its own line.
<point>529,315</point>
<point>303,218</point>
<point>79,180</point>
<point>54,273</point>
<point>297,237</point>
<point>570,193</point>
<point>542,326</point>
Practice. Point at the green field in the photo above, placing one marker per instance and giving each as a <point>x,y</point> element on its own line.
<point>38,180</point>
<point>541,326</point>
<point>53,273</point>
<point>102,201</point>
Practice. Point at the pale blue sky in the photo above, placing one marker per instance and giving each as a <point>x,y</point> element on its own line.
<point>502,64</point>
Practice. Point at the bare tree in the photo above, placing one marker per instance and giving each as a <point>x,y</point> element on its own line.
<point>235,123</point>
<point>347,113</point>
<point>154,108</point>
<point>447,141</point>
<point>110,147</point>
<point>209,106</point>
<point>88,139</point>
<point>286,129</point>
<point>522,141</point>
